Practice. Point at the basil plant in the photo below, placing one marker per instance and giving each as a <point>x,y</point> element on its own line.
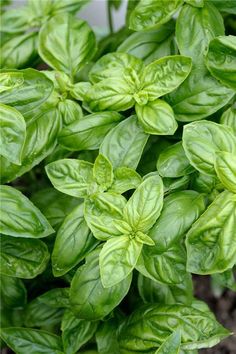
<point>118,176</point>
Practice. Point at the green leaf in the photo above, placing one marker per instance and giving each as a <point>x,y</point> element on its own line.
<point>227,6</point>
<point>225,166</point>
<point>103,172</point>
<point>150,13</point>
<point>114,65</point>
<point>124,179</point>
<point>71,176</point>
<point>156,117</point>
<point>172,162</point>
<point>117,259</point>
<point>15,20</point>
<point>106,337</point>
<point>28,340</point>
<point>56,298</point>
<point>229,118</point>
<point>41,139</point>
<point>89,299</point>
<point>63,49</point>
<point>165,75</point>
<point>19,51</point>
<point>22,258</point>
<point>76,332</point>
<point>194,36</point>
<point>70,111</point>
<point>202,140</point>
<point>87,133</point>
<point>149,45</point>
<point>161,320</point>
<point>124,144</point>
<point>144,207</point>
<point>112,94</point>
<point>13,292</point>
<point>171,344</point>
<point>221,60</point>
<point>143,238</point>
<point>79,90</point>
<point>195,3</point>
<point>13,133</point>
<point>73,242</point>
<point>225,279</point>
<point>19,217</point>
<point>33,90</point>
<point>103,213</point>
<point>210,241</point>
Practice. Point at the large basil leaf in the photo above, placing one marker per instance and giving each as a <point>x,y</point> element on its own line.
<point>155,292</point>
<point>28,340</point>
<point>13,292</point>
<point>211,246</point>
<point>180,210</point>
<point>171,344</point>
<point>114,65</point>
<point>89,299</point>
<point>124,144</point>
<point>73,242</point>
<point>221,60</point>
<point>229,118</point>
<point>124,179</point>
<point>62,48</point>
<point>152,13</point>
<point>156,117</point>
<point>76,332</point>
<point>33,90</point>
<point>172,162</point>
<point>22,258</point>
<point>19,216</point>
<point>117,259</point>
<point>87,133</point>
<point>225,166</point>
<point>144,207</point>
<point>70,176</point>
<point>38,314</point>
<point>202,140</point>
<point>150,45</point>
<point>194,36</point>
<point>165,75</point>
<point>13,132</point>
<point>102,213</point>
<point>161,320</point>
<point>56,298</point>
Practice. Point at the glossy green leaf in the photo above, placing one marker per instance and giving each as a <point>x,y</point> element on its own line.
<point>76,332</point>
<point>63,49</point>
<point>87,133</point>
<point>194,36</point>
<point>41,139</point>
<point>106,337</point>
<point>156,117</point>
<point>33,90</point>
<point>165,75</point>
<point>102,213</point>
<point>229,118</point>
<point>202,140</point>
<point>28,340</point>
<point>144,207</point>
<point>161,320</point>
<point>103,171</point>
<point>124,179</point>
<point>13,132</point>
<point>172,162</point>
<point>171,344</point>
<point>114,65</point>
<point>70,111</point>
<point>221,60</point>
<point>210,242</point>
<point>19,216</point>
<point>150,13</point>
<point>124,144</point>
<point>225,165</point>
<point>73,242</point>
<point>56,298</point>
<point>117,259</point>
<point>79,89</point>
<point>225,5</point>
<point>13,292</point>
<point>89,299</point>
<point>22,258</point>
<point>71,176</point>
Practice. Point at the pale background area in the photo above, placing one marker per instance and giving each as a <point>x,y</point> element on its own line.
<point>96,13</point>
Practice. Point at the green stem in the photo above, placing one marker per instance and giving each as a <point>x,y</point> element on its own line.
<point>109,13</point>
